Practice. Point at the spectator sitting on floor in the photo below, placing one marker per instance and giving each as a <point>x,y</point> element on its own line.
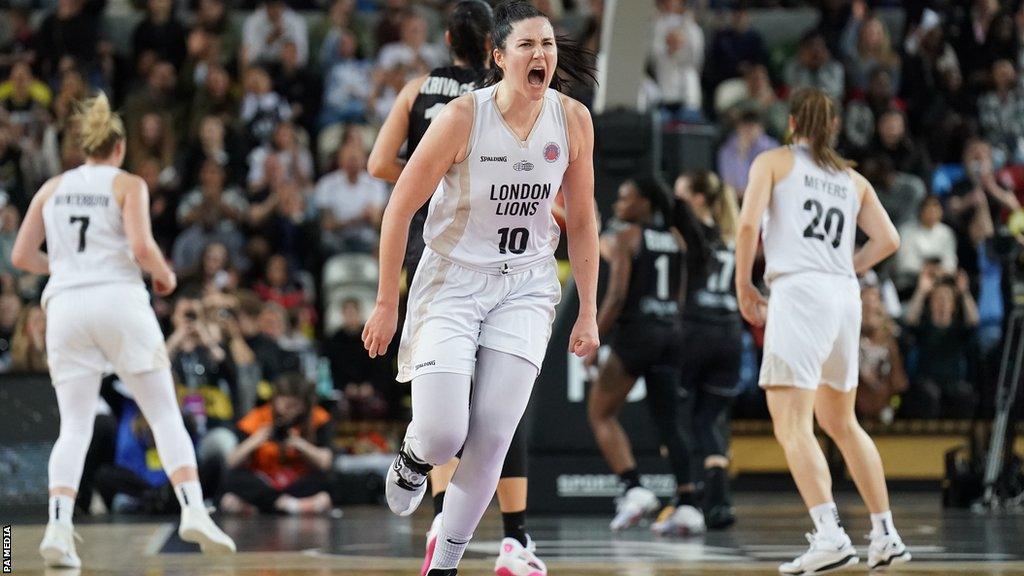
<point>282,464</point>
<point>135,481</point>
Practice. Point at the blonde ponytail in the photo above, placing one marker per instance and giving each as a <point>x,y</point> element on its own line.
<point>721,201</point>
<point>814,117</point>
<point>100,128</point>
<point>726,213</point>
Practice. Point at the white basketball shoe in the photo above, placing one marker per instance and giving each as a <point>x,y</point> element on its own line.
<point>826,554</point>
<point>637,503</point>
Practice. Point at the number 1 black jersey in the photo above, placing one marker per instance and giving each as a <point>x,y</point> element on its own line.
<point>655,279</point>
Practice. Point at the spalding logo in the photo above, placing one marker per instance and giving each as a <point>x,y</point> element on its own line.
<point>522,166</point>
<point>552,152</point>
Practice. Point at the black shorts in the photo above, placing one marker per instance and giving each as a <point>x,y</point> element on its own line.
<point>710,358</point>
<point>643,345</point>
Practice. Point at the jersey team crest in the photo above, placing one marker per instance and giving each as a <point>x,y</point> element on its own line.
<point>552,152</point>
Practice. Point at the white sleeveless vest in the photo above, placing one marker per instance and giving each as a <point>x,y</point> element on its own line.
<point>85,236</point>
<point>811,222</point>
<point>492,211</point>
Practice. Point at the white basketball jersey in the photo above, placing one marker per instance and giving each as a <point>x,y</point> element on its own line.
<point>811,222</point>
<point>492,211</point>
<point>85,236</point>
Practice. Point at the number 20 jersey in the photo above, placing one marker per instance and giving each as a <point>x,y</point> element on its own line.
<point>85,237</point>
<point>811,222</point>
<point>492,211</point>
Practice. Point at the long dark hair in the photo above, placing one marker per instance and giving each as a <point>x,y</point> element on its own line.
<point>575,64</point>
<point>469,25</point>
<point>655,191</point>
<point>295,385</point>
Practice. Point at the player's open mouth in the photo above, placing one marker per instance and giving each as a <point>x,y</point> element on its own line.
<point>536,76</point>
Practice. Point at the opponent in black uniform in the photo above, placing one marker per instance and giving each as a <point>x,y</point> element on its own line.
<point>705,214</point>
<point>468,35</point>
<point>642,304</point>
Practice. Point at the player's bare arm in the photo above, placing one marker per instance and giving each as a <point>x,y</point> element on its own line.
<point>445,143</point>
<point>581,224</point>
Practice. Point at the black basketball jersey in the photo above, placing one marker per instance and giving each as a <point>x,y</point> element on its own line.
<point>441,87</point>
<point>710,282</point>
<point>655,279</point>
<point>710,270</point>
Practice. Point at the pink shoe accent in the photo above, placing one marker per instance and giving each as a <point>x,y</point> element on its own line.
<point>508,548</point>
<point>503,572</point>
<point>431,544</point>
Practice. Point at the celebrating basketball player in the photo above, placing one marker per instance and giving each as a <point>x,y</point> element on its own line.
<point>481,306</point>
<point>469,38</point>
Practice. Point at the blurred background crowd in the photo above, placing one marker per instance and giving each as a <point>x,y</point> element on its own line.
<point>251,121</point>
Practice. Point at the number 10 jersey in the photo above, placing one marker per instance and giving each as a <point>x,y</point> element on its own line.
<point>85,237</point>
<point>492,211</point>
<point>811,222</point>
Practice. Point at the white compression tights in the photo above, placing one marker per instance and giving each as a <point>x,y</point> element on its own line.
<point>153,392</point>
<point>444,420</point>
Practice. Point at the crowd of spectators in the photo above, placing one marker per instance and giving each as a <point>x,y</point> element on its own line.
<point>251,120</point>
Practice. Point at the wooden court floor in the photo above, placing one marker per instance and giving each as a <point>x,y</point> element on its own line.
<point>369,540</point>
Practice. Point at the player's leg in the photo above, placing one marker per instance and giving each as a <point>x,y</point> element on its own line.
<point>711,429</point>
<point>683,516</point>
<point>502,386</point>
<point>440,478</point>
<point>835,412</point>
<point>518,552</point>
<point>440,419</point>
<point>76,402</point>
<point>607,396</point>
<point>802,328</point>
<point>438,353</point>
<point>792,412</point>
<point>154,393</point>
<point>711,422</point>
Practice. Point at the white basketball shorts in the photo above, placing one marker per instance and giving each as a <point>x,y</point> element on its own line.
<point>453,310</point>
<point>812,334</point>
<point>91,328</point>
